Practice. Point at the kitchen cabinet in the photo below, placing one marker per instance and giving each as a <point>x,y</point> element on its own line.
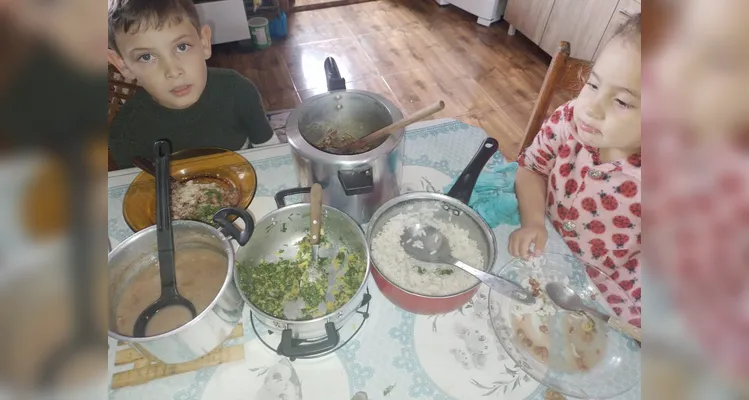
<point>580,22</point>
<point>529,16</point>
<point>583,23</point>
<point>487,11</point>
<point>624,10</point>
<point>227,19</point>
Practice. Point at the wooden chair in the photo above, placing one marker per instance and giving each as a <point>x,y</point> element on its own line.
<point>120,89</point>
<point>564,73</point>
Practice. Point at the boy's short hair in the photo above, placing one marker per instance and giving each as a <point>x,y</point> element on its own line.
<point>134,15</point>
<point>630,29</point>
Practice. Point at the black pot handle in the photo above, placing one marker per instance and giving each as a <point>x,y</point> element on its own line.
<point>282,195</point>
<point>333,75</point>
<point>229,229</point>
<point>294,348</point>
<point>463,187</point>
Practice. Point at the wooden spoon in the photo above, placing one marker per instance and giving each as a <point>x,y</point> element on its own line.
<point>377,135</point>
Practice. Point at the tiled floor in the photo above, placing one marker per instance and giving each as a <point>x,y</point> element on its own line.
<point>412,52</point>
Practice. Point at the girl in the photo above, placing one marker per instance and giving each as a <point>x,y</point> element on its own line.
<point>583,172</point>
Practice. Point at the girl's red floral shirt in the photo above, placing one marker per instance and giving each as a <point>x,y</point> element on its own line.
<point>594,205</point>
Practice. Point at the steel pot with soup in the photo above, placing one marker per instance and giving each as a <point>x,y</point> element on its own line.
<point>204,263</point>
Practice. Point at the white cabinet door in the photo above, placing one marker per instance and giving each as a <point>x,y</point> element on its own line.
<point>529,17</point>
<point>580,22</point>
<point>227,19</point>
<point>623,11</point>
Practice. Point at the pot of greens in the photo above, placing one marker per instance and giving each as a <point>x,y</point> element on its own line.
<point>307,297</point>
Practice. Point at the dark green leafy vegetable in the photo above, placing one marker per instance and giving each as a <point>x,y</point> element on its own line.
<point>270,285</point>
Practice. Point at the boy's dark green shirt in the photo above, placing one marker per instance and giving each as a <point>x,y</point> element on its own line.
<point>228,113</point>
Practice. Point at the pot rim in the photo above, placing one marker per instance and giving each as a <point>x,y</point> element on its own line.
<point>453,202</point>
<point>326,317</point>
<point>298,142</point>
<point>228,250</point>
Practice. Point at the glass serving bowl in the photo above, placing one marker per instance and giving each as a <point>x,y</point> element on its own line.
<point>569,352</point>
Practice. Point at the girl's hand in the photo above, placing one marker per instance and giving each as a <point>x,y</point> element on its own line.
<point>521,239</point>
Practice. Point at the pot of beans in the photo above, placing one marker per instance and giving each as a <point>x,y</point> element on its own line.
<point>204,266</point>
<point>430,288</point>
<point>305,298</point>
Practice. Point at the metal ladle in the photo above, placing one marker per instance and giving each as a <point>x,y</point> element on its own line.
<point>426,243</point>
<point>170,297</point>
<point>567,299</point>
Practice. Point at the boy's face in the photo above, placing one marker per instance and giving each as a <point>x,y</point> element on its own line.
<point>607,111</point>
<point>169,62</point>
<point>704,67</point>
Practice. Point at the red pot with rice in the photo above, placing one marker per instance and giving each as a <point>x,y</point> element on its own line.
<point>433,289</point>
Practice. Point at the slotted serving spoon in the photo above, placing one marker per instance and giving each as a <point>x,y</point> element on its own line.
<point>426,243</point>
<point>170,297</point>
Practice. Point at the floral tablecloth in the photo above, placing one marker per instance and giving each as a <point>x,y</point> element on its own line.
<point>396,355</point>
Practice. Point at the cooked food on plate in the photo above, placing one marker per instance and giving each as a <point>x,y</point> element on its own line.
<point>199,201</point>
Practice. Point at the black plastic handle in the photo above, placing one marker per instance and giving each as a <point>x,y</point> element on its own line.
<point>295,348</point>
<point>463,187</point>
<point>356,182</point>
<point>228,228</point>
<point>282,195</point>
<point>333,75</point>
<point>162,151</point>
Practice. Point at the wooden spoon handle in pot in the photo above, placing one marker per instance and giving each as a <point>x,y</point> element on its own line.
<point>377,135</point>
<point>315,213</point>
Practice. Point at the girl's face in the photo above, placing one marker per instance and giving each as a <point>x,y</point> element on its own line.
<point>704,67</point>
<point>607,111</point>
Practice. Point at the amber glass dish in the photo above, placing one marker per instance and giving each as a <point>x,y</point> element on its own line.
<point>203,165</point>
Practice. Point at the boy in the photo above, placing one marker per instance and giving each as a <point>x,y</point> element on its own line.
<point>162,44</point>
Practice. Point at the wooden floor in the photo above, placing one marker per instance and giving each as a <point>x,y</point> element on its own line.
<point>412,52</point>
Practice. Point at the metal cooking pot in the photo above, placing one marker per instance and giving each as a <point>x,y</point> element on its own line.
<point>212,326</point>
<point>283,229</point>
<point>453,209</point>
<point>357,184</point>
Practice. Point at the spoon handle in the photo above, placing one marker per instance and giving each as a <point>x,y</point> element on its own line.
<point>501,285</point>
<point>315,214</point>
<point>147,166</point>
<point>165,240</point>
<point>625,328</point>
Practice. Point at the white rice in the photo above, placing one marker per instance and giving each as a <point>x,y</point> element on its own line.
<point>416,276</point>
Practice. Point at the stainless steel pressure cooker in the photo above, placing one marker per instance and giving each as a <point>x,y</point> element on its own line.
<point>359,183</point>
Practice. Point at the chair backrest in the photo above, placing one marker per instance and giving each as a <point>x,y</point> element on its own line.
<point>120,89</point>
<point>564,73</point>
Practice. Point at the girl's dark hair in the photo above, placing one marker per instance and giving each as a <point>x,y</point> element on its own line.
<point>133,15</point>
<point>630,29</point>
